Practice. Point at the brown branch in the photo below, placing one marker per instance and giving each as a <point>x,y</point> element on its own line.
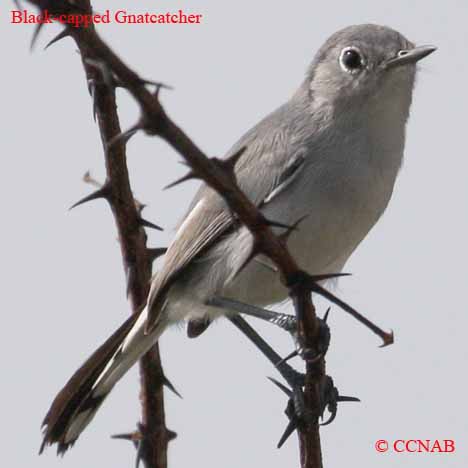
<point>137,267</point>
<point>153,433</point>
<point>105,69</point>
<point>89,179</point>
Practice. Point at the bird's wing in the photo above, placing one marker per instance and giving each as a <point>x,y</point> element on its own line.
<point>269,144</point>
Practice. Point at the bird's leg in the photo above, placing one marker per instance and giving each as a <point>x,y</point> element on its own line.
<point>295,379</point>
<point>295,409</point>
<point>284,321</point>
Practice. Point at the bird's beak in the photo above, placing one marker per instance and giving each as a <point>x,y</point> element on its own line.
<point>410,56</point>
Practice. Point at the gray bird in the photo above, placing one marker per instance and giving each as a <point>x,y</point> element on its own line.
<point>328,156</point>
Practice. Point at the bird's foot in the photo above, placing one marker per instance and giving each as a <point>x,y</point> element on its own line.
<point>329,399</point>
<point>313,355</point>
<point>297,412</point>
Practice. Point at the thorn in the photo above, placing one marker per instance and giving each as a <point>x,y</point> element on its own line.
<point>155,253</point>
<point>288,357</point>
<point>61,35</point>
<point>290,428</point>
<point>123,137</point>
<point>311,281</point>
<point>139,455</point>
<point>281,386</point>
<point>103,192</point>
<point>388,339</point>
<point>106,73</point>
<point>171,435</point>
<point>167,383</point>
<point>158,89</point>
<point>290,229</point>
<point>158,84</point>
<point>325,317</point>
<point>155,93</point>
<point>270,222</point>
<point>188,176</point>
<point>137,439</point>
<point>144,222</point>
<point>347,398</point>
<point>317,278</point>
<point>89,179</point>
<point>134,437</point>
<point>231,161</point>
<point>35,35</point>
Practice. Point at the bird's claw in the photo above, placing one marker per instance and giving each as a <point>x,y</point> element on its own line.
<point>329,399</point>
<point>313,355</point>
<point>296,410</point>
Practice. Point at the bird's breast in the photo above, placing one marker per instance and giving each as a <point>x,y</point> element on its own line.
<point>343,204</point>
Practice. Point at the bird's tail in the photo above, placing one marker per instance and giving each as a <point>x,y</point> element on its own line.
<point>77,403</point>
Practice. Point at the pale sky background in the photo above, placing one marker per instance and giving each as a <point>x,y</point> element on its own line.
<point>63,284</point>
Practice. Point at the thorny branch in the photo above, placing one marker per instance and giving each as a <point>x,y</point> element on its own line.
<point>89,179</point>
<point>105,71</point>
<point>153,431</point>
<point>153,435</point>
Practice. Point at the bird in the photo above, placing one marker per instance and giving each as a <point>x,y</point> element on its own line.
<point>329,157</point>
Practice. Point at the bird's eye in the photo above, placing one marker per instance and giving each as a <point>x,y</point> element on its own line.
<point>351,59</point>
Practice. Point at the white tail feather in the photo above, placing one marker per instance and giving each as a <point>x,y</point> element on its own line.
<point>135,345</point>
